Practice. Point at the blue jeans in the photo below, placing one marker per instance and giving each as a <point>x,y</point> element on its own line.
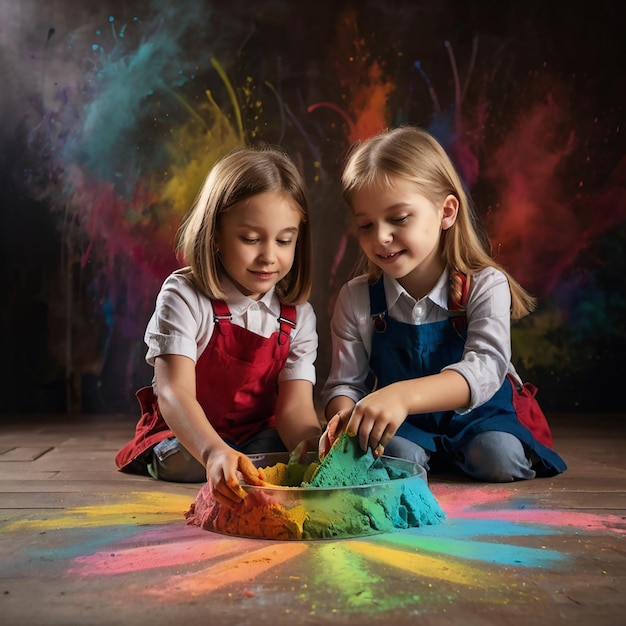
<point>172,462</point>
<point>491,456</point>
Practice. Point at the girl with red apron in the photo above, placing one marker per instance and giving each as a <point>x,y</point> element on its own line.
<point>227,385</point>
<point>236,381</point>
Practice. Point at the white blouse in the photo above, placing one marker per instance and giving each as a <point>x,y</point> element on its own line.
<point>182,324</point>
<point>487,354</point>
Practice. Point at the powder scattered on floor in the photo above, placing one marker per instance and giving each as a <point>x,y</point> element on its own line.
<point>315,501</point>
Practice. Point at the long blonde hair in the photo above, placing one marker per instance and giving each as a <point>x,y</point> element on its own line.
<point>242,173</point>
<point>413,154</point>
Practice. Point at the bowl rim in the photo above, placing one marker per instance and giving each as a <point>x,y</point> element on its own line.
<point>283,457</point>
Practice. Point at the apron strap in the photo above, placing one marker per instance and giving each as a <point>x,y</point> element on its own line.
<point>222,316</point>
<point>456,306</point>
<point>378,305</point>
<point>287,321</point>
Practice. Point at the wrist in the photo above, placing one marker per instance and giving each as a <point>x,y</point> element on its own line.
<point>210,449</point>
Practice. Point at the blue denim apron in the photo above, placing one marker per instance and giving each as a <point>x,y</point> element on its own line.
<point>402,351</point>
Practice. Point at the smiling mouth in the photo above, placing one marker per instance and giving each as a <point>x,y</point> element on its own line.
<point>263,274</point>
<point>389,257</point>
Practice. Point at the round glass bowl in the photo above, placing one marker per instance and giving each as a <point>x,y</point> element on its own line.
<point>301,513</point>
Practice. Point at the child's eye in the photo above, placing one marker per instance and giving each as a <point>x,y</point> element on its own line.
<point>400,220</point>
<point>367,226</point>
<point>249,240</point>
<point>284,242</point>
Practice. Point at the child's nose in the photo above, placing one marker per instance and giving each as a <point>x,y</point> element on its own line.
<point>268,253</point>
<point>383,233</point>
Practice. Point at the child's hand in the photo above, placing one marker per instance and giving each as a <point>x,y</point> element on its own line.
<point>334,428</point>
<point>376,418</point>
<point>224,468</point>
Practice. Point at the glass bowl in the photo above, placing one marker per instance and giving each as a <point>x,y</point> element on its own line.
<point>303,513</point>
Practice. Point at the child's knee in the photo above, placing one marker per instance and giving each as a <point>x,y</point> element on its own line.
<point>173,463</point>
<point>497,457</point>
<point>405,449</point>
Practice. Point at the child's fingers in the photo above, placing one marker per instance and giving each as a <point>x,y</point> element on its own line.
<point>354,423</point>
<point>251,474</point>
<point>360,424</point>
<point>364,432</point>
<point>324,445</point>
<point>333,429</point>
<point>378,447</point>
<point>229,495</point>
<point>380,435</point>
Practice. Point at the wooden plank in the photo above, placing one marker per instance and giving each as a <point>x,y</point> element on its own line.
<point>37,500</point>
<point>22,453</point>
<point>15,473</point>
<point>582,501</point>
<point>88,484</point>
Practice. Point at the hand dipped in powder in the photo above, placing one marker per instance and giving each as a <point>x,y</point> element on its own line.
<point>225,468</point>
<point>377,417</point>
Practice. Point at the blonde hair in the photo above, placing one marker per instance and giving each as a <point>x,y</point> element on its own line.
<point>242,173</point>
<point>413,154</point>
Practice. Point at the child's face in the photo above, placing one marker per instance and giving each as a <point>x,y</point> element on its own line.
<point>399,230</point>
<point>256,240</point>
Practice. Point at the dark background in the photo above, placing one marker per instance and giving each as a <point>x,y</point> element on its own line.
<point>112,113</point>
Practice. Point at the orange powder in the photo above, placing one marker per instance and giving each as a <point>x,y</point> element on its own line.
<point>251,518</point>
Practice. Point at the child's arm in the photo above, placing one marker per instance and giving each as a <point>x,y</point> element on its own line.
<point>339,404</point>
<point>377,417</point>
<point>176,385</point>
<point>296,418</point>
<point>461,386</point>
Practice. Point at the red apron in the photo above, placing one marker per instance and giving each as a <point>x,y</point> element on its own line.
<point>236,384</point>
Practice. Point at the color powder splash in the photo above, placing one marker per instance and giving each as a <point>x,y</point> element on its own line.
<point>542,219</point>
<point>129,128</point>
<point>119,115</point>
<point>128,149</point>
<point>366,88</point>
<point>488,540</point>
<point>541,227</point>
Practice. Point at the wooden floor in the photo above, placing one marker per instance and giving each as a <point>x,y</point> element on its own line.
<point>83,544</point>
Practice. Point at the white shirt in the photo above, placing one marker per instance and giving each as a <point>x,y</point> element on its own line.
<point>487,354</point>
<point>182,324</point>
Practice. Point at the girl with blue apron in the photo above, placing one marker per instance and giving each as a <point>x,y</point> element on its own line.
<point>402,351</point>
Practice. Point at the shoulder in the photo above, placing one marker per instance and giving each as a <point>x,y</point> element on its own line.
<point>353,303</point>
<point>488,278</point>
<point>355,289</point>
<point>489,290</point>
<point>178,292</point>
<point>304,312</point>
<point>178,281</point>
<point>305,330</point>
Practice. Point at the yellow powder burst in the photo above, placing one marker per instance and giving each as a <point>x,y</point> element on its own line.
<point>136,508</point>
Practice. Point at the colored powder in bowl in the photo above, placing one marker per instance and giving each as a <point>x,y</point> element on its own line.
<point>347,465</point>
<point>348,494</point>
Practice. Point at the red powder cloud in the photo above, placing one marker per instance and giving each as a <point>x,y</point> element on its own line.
<point>535,231</point>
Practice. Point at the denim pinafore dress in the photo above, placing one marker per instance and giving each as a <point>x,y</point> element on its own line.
<point>401,351</point>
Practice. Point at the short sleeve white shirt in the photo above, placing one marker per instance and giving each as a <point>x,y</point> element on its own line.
<point>183,322</point>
